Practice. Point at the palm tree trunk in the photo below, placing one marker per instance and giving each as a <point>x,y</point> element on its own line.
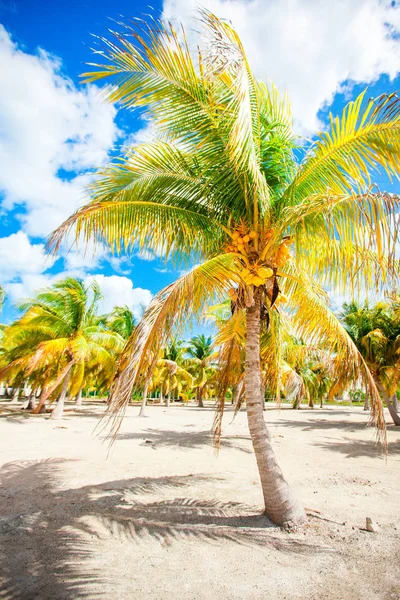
<point>58,410</point>
<point>366,403</point>
<point>78,402</point>
<point>49,389</point>
<point>200,402</point>
<point>144,401</point>
<point>31,405</point>
<point>281,506</point>
<point>15,395</point>
<point>391,408</point>
<point>389,403</point>
<point>168,398</point>
<point>161,396</point>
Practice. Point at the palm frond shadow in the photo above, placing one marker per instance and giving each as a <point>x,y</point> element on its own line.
<point>48,540</point>
<point>323,424</point>
<point>360,448</point>
<point>182,439</point>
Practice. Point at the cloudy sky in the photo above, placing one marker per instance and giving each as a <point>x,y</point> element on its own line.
<point>54,131</point>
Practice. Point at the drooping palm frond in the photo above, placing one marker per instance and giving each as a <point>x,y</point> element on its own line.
<point>231,341</point>
<point>168,312</point>
<point>315,322</point>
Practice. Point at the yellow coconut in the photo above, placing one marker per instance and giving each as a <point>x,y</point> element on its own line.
<point>252,235</point>
<point>235,235</point>
<point>246,239</point>
<point>265,272</point>
<point>257,280</point>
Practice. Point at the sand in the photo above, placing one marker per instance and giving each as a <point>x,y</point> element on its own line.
<point>161,516</point>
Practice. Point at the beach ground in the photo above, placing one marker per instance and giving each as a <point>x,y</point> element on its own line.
<point>160,515</point>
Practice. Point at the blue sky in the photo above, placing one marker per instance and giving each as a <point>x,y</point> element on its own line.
<point>54,131</point>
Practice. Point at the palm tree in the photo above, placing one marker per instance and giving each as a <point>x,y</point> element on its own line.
<point>221,185</point>
<point>58,341</point>
<point>201,353</point>
<point>122,321</point>
<point>376,332</point>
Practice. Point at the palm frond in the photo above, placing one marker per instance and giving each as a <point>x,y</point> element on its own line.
<point>364,139</point>
<point>315,323</point>
<point>168,311</point>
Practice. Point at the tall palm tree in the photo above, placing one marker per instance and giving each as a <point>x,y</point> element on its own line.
<point>201,353</point>
<point>58,341</point>
<point>376,332</point>
<point>221,184</point>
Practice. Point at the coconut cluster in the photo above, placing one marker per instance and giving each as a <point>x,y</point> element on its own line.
<point>256,275</point>
<point>240,240</point>
<point>282,254</point>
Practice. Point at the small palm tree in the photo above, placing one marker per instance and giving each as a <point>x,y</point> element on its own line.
<point>122,321</point>
<point>201,352</point>
<point>59,341</point>
<point>221,184</point>
<point>376,332</point>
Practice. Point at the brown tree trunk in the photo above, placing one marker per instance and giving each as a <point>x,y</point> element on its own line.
<point>200,402</point>
<point>391,408</point>
<point>281,505</point>
<point>58,410</point>
<point>389,403</point>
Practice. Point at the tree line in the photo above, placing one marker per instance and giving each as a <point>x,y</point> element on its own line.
<point>63,347</point>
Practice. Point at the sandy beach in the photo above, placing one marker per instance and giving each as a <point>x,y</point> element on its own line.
<point>161,515</point>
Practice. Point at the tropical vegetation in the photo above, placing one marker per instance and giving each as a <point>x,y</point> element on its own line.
<point>376,333</point>
<point>59,345</point>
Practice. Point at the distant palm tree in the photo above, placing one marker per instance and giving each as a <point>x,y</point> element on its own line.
<point>58,341</point>
<point>222,183</point>
<point>201,352</point>
<point>376,332</point>
<point>121,320</point>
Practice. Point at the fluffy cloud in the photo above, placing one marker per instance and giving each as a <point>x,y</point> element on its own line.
<point>51,135</point>
<point>118,291</point>
<point>18,257</point>
<point>309,47</point>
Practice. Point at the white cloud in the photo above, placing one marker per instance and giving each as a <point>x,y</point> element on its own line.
<point>28,285</point>
<point>118,291</point>
<point>51,134</point>
<point>19,257</point>
<point>309,47</point>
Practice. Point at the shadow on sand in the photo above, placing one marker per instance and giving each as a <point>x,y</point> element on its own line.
<point>359,448</point>
<point>184,439</point>
<point>49,535</point>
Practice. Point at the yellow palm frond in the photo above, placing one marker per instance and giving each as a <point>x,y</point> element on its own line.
<point>315,323</point>
<point>168,311</point>
<point>363,139</point>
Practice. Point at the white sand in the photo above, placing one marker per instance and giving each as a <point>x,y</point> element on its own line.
<point>171,519</point>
